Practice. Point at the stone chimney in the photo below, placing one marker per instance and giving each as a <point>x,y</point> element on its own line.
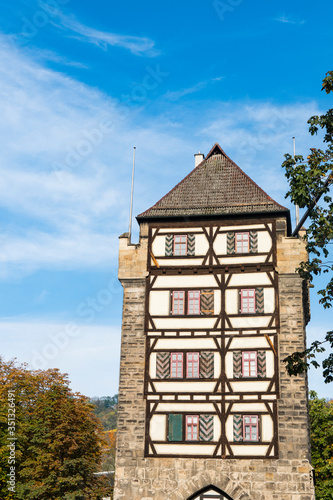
<point>198,158</point>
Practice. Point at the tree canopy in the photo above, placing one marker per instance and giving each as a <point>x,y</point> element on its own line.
<point>54,434</point>
<point>321,424</point>
<point>309,187</point>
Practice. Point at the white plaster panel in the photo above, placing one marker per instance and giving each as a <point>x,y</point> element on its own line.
<point>264,241</point>
<point>171,385</point>
<point>229,428</point>
<point>231,301</point>
<point>269,363</point>
<point>249,279</point>
<point>250,386</point>
<point>158,425</point>
<point>229,364</point>
<point>253,258</point>
<point>152,365</point>
<point>249,407</point>
<point>158,246</point>
<point>179,323</point>
<point>269,300</point>
<point>267,431</point>
<point>179,281</point>
<point>217,302</point>
<point>248,342</point>
<point>201,244</point>
<point>220,244</point>
<point>250,321</point>
<point>186,407</point>
<point>184,449</point>
<point>245,227</point>
<point>217,365</point>
<point>217,428</point>
<point>190,343</point>
<point>181,230</point>
<point>159,303</point>
<point>247,450</point>
<point>179,262</point>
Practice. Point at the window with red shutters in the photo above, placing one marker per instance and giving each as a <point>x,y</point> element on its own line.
<point>242,242</point>
<point>250,428</point>
<point>192,365</point>
<point>180,244</point>
<point>192,427</point>
<point>248,301</point>
<point>249,364</point>
<point>178,303</point>
<point>193,302</point>
<point>176,368</point>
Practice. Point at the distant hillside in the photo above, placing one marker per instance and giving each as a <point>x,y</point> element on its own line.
<point>106,409</point>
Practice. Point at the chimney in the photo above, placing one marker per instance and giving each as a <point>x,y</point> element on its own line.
<point>198,158</point>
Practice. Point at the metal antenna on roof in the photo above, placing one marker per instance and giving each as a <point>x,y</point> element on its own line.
<point>131,205</point>
<point>296,206</point>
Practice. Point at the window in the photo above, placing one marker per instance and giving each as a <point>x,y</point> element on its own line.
<point>250,428</point>
<point>249,364</point>
<point>192,427</point>
<point>176,370</point>
<point>187,303</point>
<point>242,242</point>
<point>248,301</point>
<point>180,244</point>
<point>192,368</point>
<point>178,303</point>
<point>193,302</point>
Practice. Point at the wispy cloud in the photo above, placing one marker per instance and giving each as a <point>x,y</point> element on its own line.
<point>103,39</point>
<point>289,20</point>
<point>70,218</point>
<point>178,94</point>
<point>49,56</point>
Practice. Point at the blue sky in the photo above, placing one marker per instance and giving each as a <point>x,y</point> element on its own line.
<point>82,83</point>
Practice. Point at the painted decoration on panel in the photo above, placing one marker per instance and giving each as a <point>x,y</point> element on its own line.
<point>206,365</point>
<point>163,365</point>
<point>261,357</point>
<point>206,432</point>
<point>169,245</point>
<point>207,302</point>
<point>253,242</point>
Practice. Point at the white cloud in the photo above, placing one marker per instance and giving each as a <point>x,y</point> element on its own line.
<point>90,353</point>
<point>178,94</point>
<point>66,160</point>
<point>288,20</point>
<point>135,44</point>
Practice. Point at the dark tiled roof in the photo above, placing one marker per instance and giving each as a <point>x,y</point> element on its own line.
<point>216,186</point>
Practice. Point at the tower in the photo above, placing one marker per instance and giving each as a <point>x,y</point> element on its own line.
<point>212,305</point>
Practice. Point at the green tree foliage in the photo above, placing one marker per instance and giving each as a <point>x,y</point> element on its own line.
<point>58,437</point>
<point>309,182</point>
<point>106,409</point>
<point>321,422</point>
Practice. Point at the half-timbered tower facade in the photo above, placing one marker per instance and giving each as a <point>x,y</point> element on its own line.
<point>212,305</point>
